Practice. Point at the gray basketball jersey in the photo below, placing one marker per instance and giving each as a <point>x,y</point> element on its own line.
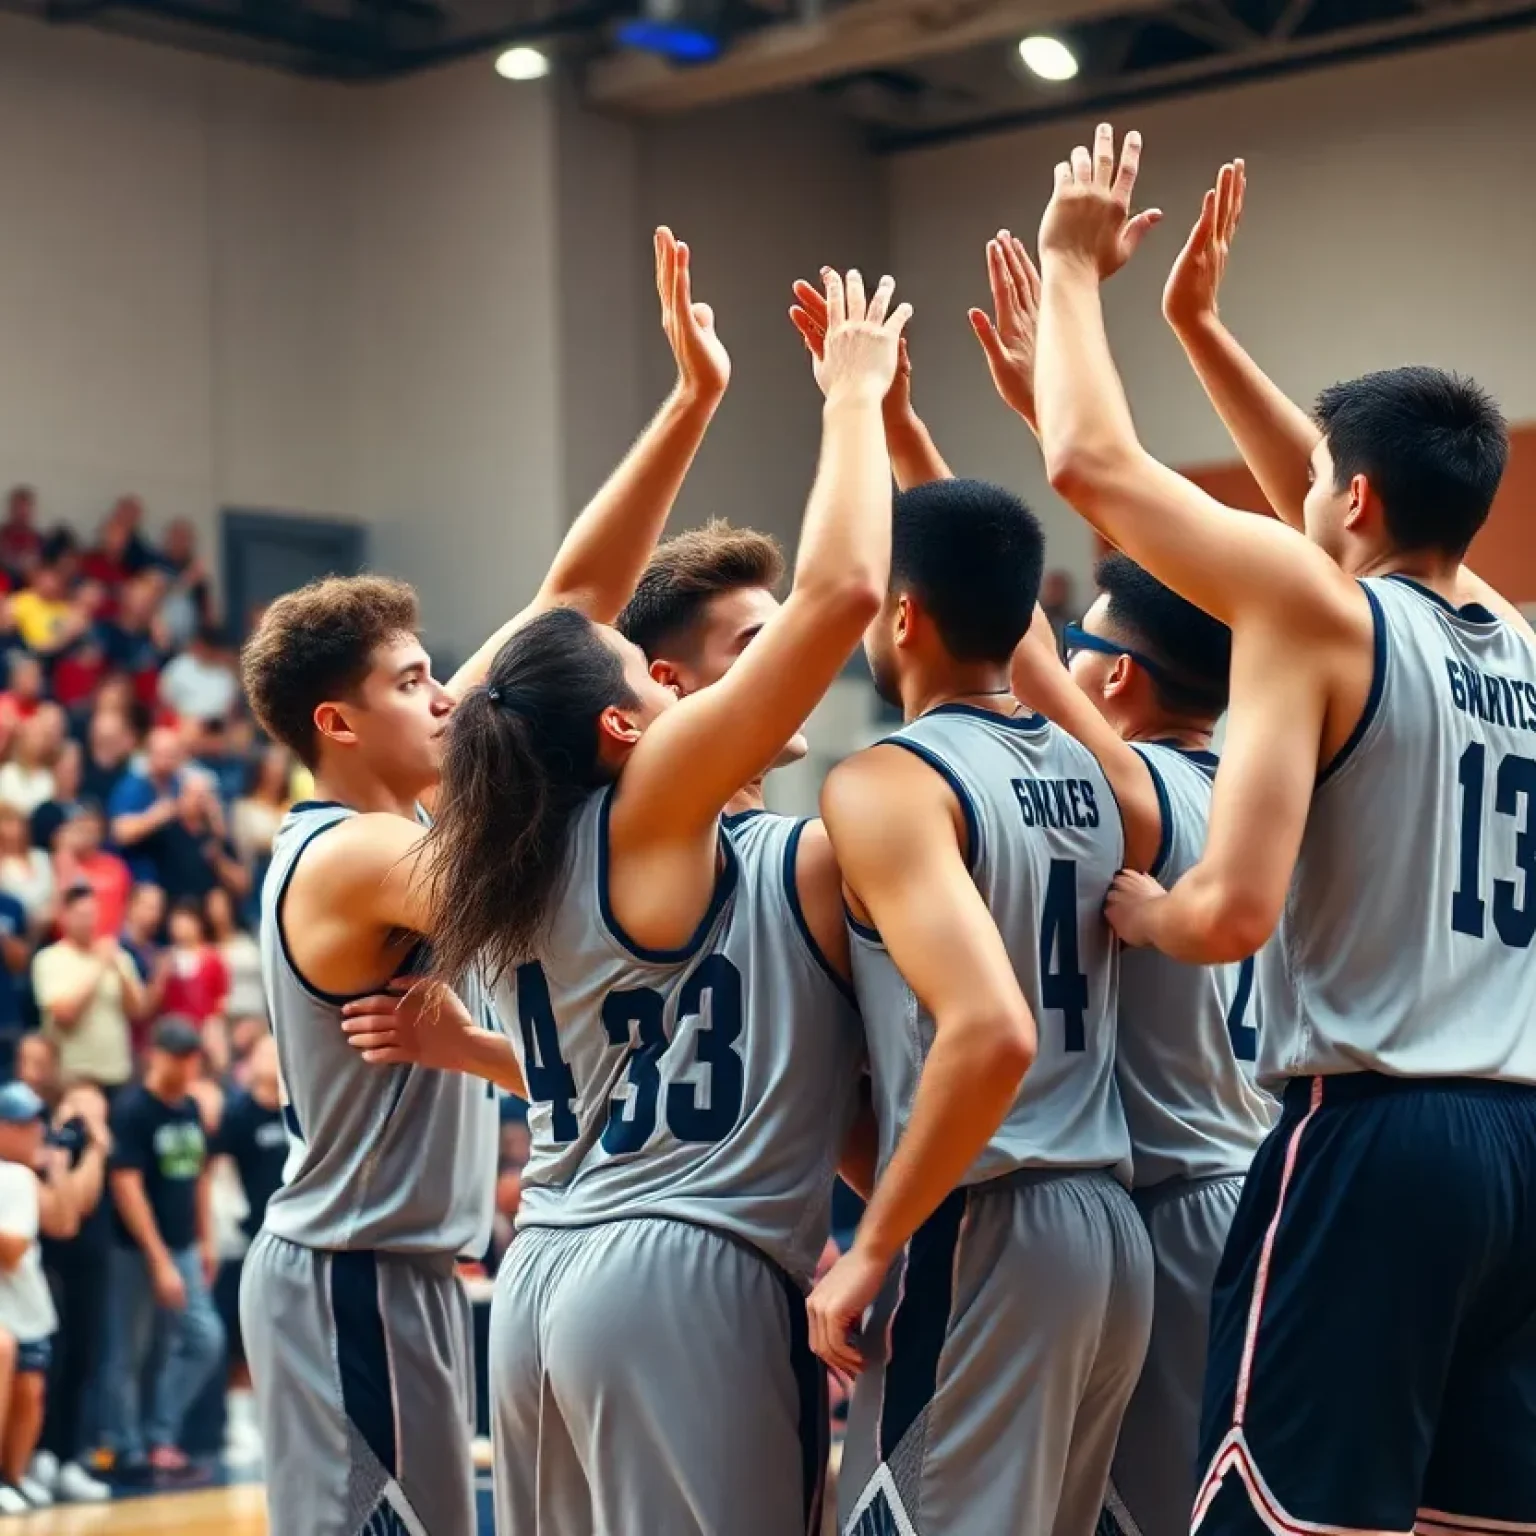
<point>712,1084</point>
<point>1045,840</point>
<point>1188,1034</point>
<point>1405,943</point>
<point>401,1159</point>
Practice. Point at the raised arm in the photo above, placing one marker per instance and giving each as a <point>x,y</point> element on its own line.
<point>895,828</point>
<point>1223,561</point>
<point>1273,434</point>
<point>695,756</point>
<point>601,557</point>
<point>1227,905</point>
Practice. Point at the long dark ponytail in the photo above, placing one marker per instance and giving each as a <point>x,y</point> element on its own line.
<point>522,756</point>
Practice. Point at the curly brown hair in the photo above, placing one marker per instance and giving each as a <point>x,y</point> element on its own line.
<point>688,570</point>
<point>317,644</point>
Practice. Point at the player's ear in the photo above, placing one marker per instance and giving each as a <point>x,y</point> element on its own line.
<point>1363,500</point>
<point>1118,678</point>
<point>331,722</point>
<point>619,727</point>
<point>905,623</point>
<point>669,675</point>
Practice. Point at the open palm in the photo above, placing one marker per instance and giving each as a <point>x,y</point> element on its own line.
<point>1194,283</point>
<point>703,364</point>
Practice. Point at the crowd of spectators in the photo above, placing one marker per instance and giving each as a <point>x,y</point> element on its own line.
<point>140,1130</point>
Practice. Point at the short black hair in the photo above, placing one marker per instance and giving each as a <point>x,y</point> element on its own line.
<point>1191,651</point>
<point>686,573</point>
<point>1433,444</point>
<point>972,554</point>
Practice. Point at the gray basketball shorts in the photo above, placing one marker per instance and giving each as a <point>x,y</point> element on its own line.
<point>1000,1356</point>
<point>652,1378</point>
<point>1152,1483</point>
<point>364,1375</point>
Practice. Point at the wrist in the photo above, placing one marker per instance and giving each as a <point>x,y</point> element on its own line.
<point>1199,326</point>
<point>1080,265</point>
<point>861,397</point>
<point>874,1242</point>
<point>691,400</point>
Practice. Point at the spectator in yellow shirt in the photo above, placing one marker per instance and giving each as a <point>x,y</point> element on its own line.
<point>46,619</point>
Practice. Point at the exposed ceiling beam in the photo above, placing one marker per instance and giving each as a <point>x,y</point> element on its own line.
<point>859,36</point>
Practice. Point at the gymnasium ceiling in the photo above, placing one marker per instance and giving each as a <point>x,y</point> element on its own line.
<point>909,71</point>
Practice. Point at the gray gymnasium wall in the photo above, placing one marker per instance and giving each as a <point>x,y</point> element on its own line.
<point>429,305</point>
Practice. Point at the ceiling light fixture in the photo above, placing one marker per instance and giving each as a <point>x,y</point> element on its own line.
<point>522,64</point>
<point>1048,57</point>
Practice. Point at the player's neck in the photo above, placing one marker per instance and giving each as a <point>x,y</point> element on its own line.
<point>1426,568</point>
<point>352,785</point>
<point>984,685</point>
<point>1171,730</point>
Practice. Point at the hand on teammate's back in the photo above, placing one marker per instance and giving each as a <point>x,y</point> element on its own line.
<point>1129,906</point>
<point>415,1021</point>
<point>1009,340</point>
<point>1189,296</point>
<point>703,364</point>
<point>1089,216</point>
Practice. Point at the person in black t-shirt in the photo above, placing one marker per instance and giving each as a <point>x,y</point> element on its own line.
<point>252,1136</point>
<point>162,1257</point>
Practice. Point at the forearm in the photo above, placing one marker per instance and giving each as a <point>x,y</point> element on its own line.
<point>133,1208</point>
<point>204,1208</point>
<point>601,558</point>
<point>845,541</point>
<point>13,1249</point>
<point>87,1179</point>
<point>1273,434</point>
<point>969,1082</point>
<point>486,1054</point>
<point>1084,419</point>
<point>1207,919</point>
<point>915,460</point>
<point>66,1011</point>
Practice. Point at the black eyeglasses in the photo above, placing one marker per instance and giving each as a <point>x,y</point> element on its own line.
<point>1075,639</point>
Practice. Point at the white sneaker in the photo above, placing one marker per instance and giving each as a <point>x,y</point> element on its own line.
<point>77,1486</point>
<point>12,1502</point>
<point>34,1493</point>
<point>45,1470</point>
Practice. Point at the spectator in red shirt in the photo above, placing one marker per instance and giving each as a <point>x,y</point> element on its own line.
<point>20,542</point>
<point>80,859</point>
<point>192,979</point>
<point>23,693</point>
<point>78,672</point>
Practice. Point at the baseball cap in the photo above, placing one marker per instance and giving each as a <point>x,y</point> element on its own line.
<point>177,1036</point>
<point>19,1105</point>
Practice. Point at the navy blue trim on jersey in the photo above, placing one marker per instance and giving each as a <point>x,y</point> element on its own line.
<point>1373,698</point>
<point>1164,811</point>
<point>725,883</point>
<point>792,895</point>
<point>976,712</point>
<point>950,777</point>
<point>362,1353</point>
<point>811,1390</point>
<point>291,1122</point>
<point>864,931</point>
<point>330,999</point>
<point>1472,613</point>
<point>736,818</point>
<point>1203,759</point>
<point>921,1322</point>
<point>319,805</point>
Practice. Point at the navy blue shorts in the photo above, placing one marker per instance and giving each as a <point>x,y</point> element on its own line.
<point>1372,1362</point>
<point>37,1355</point>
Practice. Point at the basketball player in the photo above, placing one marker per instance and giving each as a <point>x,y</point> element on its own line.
<point>1009,1275</point>
<point>358,1330</point>
<point>643,1340</point>
<point>1373,1333</point>
<point>1148,683</point>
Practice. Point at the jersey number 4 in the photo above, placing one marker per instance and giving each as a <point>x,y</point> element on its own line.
<point>1063,985</point>
<point>635,1018</point>
<point>1514,795</point>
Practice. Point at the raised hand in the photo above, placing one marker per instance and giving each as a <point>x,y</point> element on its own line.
<point>1189,297</point>
<point>808,315</point>
<point>703,364</point>
<point>862,340</point>
<point>1089,216</point>
<point>1009,340</point>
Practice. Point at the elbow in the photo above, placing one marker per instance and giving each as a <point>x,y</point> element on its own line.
<point>1236,923</point>
<point>1001,1045</point>
<point>1080,473</point>
<point>848,599</point>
